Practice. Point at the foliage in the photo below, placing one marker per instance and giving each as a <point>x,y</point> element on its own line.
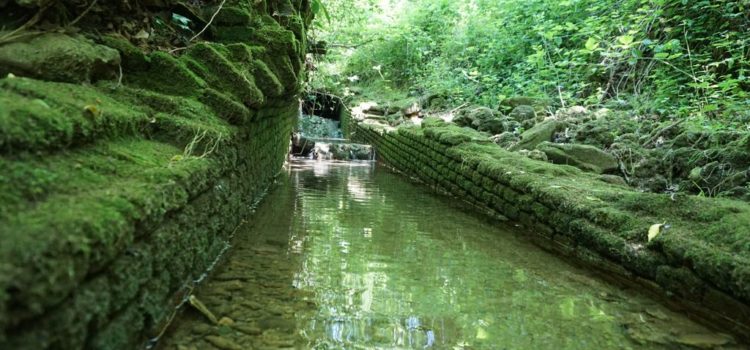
<point>671,57</point>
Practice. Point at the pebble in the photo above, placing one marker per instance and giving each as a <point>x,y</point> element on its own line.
<point>704,341</point>
<point>226,321</point>
<point>222,343</point>
<point>247,329</point>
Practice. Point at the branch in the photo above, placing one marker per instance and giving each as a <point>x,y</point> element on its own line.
<point>83,14</point>
<point>209,21</point>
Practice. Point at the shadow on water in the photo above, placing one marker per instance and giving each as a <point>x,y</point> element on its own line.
<point>351,256</point>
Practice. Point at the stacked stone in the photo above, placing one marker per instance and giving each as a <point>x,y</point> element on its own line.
<point>578,215</point>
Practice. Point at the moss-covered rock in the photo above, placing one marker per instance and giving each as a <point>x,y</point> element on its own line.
<point>542,132</point>
<point>585,157</point>
<point>59,57</point>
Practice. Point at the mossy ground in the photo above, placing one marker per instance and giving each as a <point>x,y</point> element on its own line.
<point>114,194</point>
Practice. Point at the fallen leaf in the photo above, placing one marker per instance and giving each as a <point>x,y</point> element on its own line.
<point>143,34</point>
<point>654,231</point>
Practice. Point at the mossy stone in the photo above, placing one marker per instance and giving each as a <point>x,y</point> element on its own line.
<point>59,57</point>
<point>584,157</point>
<point>541,132</point>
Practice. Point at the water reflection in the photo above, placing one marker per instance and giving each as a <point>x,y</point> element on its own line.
<point>350,256</point>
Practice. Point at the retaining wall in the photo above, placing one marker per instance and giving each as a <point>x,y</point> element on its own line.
<point>118,191</point>
<point>702,263</point>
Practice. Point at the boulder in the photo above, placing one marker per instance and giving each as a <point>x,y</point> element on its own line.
<point>534,154</point>
<point>584,157</point>
<point>523,113</point>
<point>59,57</point>
<point>493,126</point>
<point>505,139</point>
<point>539,104</point>
<point>541,132</point>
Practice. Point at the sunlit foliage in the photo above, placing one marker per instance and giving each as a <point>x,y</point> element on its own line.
<point>672,57</point>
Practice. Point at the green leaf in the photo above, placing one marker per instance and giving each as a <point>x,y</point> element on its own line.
<point>592,44</point>
<point>626,40</point>
<point>317,7</point>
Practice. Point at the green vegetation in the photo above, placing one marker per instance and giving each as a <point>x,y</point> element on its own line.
<point>660,85</point>
<point>129,152</point>
<point>670,57</point>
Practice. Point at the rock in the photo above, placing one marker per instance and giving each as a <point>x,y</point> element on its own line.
<point>412,110</point>
<point>381,110</point>
<point>247,329</point>
<point>226,321</point>
<point>539,104</point>
<point>613,179</point>
<point>32,3</point>
<point>539,133</point>
<point>505,139</point>
<point>223,343</point>
<point>584,157</point>
<point>201,328</point>
<point>59,57</point>
<point>534,154</point>
<point>704,341</point>
<point>574,112</point>
<point>522,113</point>
<point>493,126</point>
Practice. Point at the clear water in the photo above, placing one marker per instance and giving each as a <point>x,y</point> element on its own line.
<point>351,256</point>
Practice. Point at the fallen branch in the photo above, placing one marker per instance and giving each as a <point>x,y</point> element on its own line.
<point>15,34</point>
<point>661,132</point>
<point>86,11</point>
<point>209,21</point>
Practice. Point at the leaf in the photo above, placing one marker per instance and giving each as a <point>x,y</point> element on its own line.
<point>626,40</point>
<point>654,231</point>
<point>481,333</point>
<point>592,44</point>
<point>141,35</point>
<point>317,7</point>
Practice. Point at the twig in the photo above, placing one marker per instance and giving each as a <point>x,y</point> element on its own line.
<point>83,14</point>
<point>8,37</point>
<point>209,21</point>
<point>662,131</point>
<point>457,108</point>
<point>119,79</point>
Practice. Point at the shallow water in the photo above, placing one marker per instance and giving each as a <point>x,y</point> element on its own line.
<point>352,256</point>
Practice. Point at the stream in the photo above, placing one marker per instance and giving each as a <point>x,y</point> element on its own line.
<point>349,255</point>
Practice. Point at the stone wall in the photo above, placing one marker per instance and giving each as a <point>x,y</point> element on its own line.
<point>701,263</point>
<point>118,189</point>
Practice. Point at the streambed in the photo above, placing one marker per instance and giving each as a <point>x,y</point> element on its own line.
<point>351,256</point>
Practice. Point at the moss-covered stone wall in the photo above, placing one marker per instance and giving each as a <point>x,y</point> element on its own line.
<point>702,262</point>
<point>118,189</point>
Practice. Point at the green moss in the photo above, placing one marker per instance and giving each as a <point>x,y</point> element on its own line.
<point>210,61</point>
<point>112,196</point>
<point>232,15</point>
<point>41,115</point>
<point>225,107</point>
<point>168,75</point>
<point>133,58</point>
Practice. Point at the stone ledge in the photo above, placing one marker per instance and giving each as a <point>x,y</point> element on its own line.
<point>703,261</point>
